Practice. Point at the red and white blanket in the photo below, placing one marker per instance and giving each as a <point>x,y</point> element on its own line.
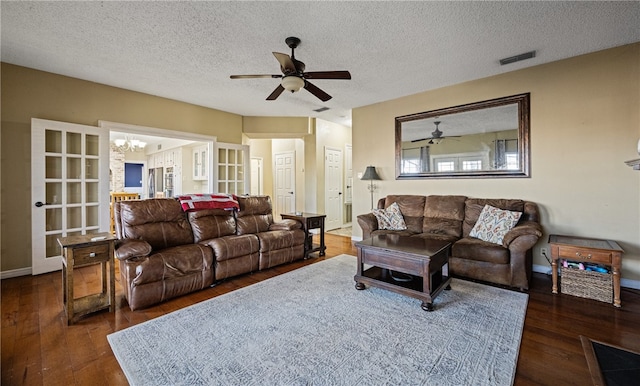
<point>191,202</point>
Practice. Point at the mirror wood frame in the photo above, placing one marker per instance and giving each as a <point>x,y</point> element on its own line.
<point>521,100</point>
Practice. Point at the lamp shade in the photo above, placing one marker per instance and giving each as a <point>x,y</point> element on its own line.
<point>370,174</point>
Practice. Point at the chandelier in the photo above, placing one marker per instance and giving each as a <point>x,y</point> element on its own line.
<point>129,144</point>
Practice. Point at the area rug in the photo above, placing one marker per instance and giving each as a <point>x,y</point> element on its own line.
<point>312,327</point>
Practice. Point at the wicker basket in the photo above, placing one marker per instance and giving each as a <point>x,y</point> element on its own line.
<point>587,284</point>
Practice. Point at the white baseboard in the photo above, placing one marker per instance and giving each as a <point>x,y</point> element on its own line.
<point>627,283</point>
<point>15,273</point>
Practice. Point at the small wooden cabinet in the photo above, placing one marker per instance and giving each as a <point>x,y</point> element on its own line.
<point>310,221</point>
<point>582,249</point>
<point>80,251</point>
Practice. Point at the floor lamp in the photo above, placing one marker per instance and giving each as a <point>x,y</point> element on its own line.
<point>370,174</point>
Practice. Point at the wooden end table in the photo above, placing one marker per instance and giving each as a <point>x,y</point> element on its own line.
<point>422,259</point>
<point>583,249</point>
<point>309,221</point>
<point>80,251</point>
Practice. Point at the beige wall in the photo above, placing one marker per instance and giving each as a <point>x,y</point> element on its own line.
<point>277,127</point>
<point>28,93</point>
<point>585,122</point>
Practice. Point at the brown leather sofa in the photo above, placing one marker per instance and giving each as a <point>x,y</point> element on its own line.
<point>452,218</point>
<point>165,252</point>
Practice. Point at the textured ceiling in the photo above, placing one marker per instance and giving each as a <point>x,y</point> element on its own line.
<point>187,50</point>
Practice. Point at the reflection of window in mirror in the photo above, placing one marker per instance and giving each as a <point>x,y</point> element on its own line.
<point>461,162</point>
<point>472,165</point>
<point>415,160</point>
<point>506,154</point>
<point>446,166</point>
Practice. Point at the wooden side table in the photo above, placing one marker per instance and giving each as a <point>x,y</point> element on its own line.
<point>605,252</point>
<point>80,251</point>
<point>310,221</point>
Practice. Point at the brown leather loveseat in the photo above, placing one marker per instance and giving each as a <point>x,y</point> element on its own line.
<point>165,252</point>
<point>452,218</point>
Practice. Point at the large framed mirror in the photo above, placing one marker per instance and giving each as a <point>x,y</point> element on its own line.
<point>477,140</point>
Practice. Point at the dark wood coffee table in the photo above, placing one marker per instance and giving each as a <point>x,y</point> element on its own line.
<point>411,266</point>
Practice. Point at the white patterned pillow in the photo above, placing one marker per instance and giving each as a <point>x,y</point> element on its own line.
<point>494,223</point>
<point>390,218</point>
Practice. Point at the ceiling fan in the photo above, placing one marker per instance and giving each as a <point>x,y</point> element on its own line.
<point>435,135</point>
<point>293,75</point>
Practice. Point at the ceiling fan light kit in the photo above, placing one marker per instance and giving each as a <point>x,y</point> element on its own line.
<point>294,76</point>
<point>292,83</point>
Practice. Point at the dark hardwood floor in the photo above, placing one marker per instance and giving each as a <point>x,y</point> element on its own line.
<point>38,348</point>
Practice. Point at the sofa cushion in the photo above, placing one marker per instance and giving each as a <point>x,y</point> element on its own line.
<point>254,215</point>
<point>443,215</point>
<point>211,223</point>
<point>158,221</point>
<point>494,223</point>
<point>475,249</point>
<point>174,262</point>
<point>230,247</point>
<point>390,218</point>
<point>473,207</point>
<point>274,240</point>
<point>412,209</point>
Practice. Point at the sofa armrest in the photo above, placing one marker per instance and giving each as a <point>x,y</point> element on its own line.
<point>369,223</point>
<point>130,248</point>
<point>526,228</point>
<point>285,225</point>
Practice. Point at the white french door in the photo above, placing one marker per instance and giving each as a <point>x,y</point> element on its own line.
<point>69,187</point>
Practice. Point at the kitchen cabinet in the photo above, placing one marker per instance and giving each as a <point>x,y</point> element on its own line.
<point>200,163</point>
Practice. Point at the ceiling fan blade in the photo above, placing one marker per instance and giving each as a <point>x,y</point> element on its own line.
<point>323,96</point>
<point>327,75</point>
<point>286,64</point>
<point>276,93</point>
<point>255,76</point>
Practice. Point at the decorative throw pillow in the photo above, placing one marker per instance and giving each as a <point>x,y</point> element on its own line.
<point>494,223</point>
<point>390,218</point>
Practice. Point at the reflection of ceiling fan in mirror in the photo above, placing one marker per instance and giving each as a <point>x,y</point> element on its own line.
<point>293,75</point>
<point>436,136</point>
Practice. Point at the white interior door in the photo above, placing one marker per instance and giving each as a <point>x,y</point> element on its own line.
<point>285,183</point>
<point>333,188</point>
<point>69,187</point>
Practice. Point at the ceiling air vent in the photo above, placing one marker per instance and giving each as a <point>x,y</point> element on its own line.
<point>321,109</point>
<point>517,58</point>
